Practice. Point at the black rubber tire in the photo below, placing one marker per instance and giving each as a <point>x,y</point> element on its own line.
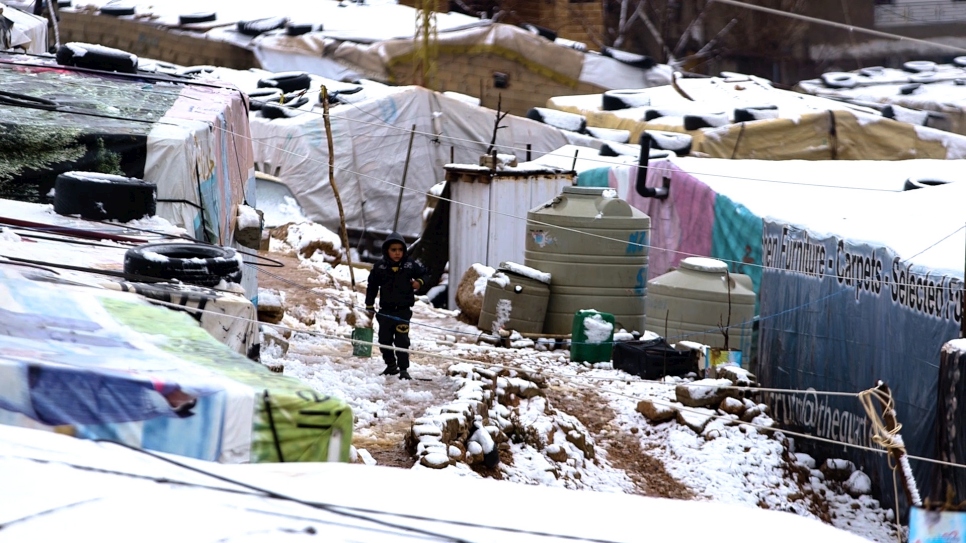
<point>103,197</point>
<point>261,26</point>
<point>286,81</point>
<point>541,31</point>
<point>335,96</point>
<point>200,17</point>
<point>192,71</point>
<point>607,150</point>
<point>678,143</point>
<point>276,110</point>
<point>747,114</point>
<point>609,134</point>
<point>695,122</point>
<point>839,80</point>
<point>297,29</point>
<point>192,263</point>
<point>910,88</point>
<point>919,66</point>
<point>643,62</point>
<point>117,10</point>
<point>258,98</point>
<point>537,114</point>
<point>97,57</point>
<point>614,100</point>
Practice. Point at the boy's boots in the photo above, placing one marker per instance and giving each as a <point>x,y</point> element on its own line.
<point>391,369</point>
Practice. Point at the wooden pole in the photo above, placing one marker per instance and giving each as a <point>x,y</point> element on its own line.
<point>402,185</point>
<point>335,188</point>
<point>898,453</point>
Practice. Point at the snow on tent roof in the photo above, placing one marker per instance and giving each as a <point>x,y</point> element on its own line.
<point>368,21</point>
<point>375,125</point>
<point>136,127</point>
<point>822,195</point>
<point>279,52</point>
<point>941,90</point>
<point>799,132</point>
<point>44,472</point>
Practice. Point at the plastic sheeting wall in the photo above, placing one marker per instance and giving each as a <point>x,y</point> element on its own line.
<point>835,315</point>
<point>370,145</point>
<point>101,364</point>
<point>838,316</point>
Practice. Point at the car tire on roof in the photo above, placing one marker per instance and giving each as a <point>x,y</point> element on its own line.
<point>910,88</point>
<point>96,57</point>
<point>917,66</point>
<point>260,97</point>
<point>261,26</point>
<point>200,17</point>
<point>278,110</point>
<point>839,80</point>
<point>196,70</point>
<point>286,81</point>
<point>104,197</point>
<point>297,29</point>
<point>614,100</point>
<point>192,263</point>
<point>117,10</point>
<point>925,77</point>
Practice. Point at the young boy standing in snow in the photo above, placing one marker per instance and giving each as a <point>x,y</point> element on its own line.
<point>395,280</point>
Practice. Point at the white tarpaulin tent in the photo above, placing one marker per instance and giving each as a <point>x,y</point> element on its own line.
<point>371,137</point>
<point>58,489</point>
<point>29,32</point>
<point>339,57</point>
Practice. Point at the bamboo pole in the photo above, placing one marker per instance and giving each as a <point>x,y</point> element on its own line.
<point>335,188</point>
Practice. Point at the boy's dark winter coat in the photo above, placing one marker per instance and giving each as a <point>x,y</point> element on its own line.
<point>392,281</point>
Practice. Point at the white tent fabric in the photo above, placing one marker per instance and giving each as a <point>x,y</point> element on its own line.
<point>58,487</point>
<point>323,54</point>
<point>28,32</point>
<point>371,139</point>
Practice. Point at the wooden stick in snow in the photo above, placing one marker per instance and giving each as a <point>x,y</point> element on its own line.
<point>335,188</point>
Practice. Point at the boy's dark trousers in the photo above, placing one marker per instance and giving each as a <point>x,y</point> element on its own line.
<point>394,330</point>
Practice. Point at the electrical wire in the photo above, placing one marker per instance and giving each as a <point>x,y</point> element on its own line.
<point>573,381</point>
<point>573,230</point>
<point>656,168</point>
<point>850,28</point>
<point>357,513</point>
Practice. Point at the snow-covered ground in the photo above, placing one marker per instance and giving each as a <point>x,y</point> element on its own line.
<point>581,431</point>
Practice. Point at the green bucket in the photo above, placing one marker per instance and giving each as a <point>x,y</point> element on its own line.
<point>360,335</point>
<point>586,349</point>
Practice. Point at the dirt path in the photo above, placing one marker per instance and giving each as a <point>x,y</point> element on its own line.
<point>621,450</point>
<point>383,437</point>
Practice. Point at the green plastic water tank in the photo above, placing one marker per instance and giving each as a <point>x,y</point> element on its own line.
<point>692,303</point>
<point>594,246</point>
<point>516,299</point>
<point>592,336</point>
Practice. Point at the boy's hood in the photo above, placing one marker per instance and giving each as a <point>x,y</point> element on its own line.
<point>395,237</point>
